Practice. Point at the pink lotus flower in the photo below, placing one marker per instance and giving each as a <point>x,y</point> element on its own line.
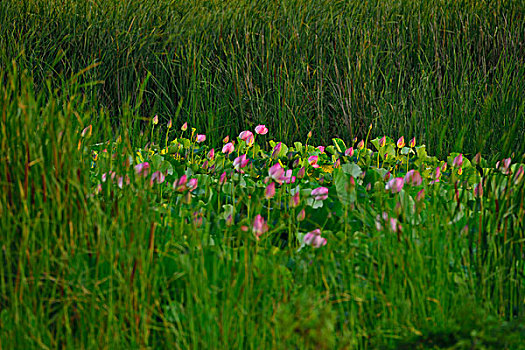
<point>155,120</point>
<point>321,149</point>
<point>506,166</point>
<point>247,136</point>
<point>312,160</point>
<point>436,176</point>
<point>222,179</point>
<point>337,163</point>
<point>158,177</point>
<point>276,150</point>
<point>314,239</point>
<point>382,141</point>
<point>301,173</point>
<point>228,148</point>
<point>413,178</point>
<point>395,185</point>
<point>200,138</point>
<point>259,226</point>
<point>477,158</point>
<point>288,177</point>
<point>412,143</point>
<point>420,195</point>
<point>269,192</point>
<point>302,215</point>
<point>261,129</point>
<point>211,154</point>
<point>294,201</point>
<point>184,127</point>
<point>170,124</point>
<point>395,226</point>
<point>276,172</point>
<point>180,184</point>
<point>142,169</point>
<point>401,142</point>
<point>192,184</point>
<point>349,152</point>
<point>361,144</point>
<point>458,161</point>
<point>319,193</point>
<point>240,162</point>
<point>120,182</point>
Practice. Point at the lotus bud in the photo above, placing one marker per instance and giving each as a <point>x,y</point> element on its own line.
<point>477,159</point>
<point>301,216</point>
<point>401,142</point>
<point>200,138</point>
<point>294,201</point>
<point>301,172</point>
<point>269,192</point>
<point>261,129</point>
<point>458,161</point>
<point>382,141</point>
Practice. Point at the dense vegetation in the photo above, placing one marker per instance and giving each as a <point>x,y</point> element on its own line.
<point>213,174</point>
<point>448,72</point>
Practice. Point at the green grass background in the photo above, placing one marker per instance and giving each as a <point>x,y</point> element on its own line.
<point>450,73</point>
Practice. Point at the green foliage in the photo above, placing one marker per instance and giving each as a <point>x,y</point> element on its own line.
<point>448,72</point>
<point>98,250</point>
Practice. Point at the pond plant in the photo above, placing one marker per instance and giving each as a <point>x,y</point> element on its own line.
<point>262,174</point>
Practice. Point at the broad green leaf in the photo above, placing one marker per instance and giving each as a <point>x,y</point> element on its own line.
<point>406,150</point>
<point>331,149</point>
<point>339,145</point>
<point>156,161</point>
<point>375,142</point>
<point>352,169</point>
<point>298,146</point>
<point>166,167</point>
<point>341,182</point>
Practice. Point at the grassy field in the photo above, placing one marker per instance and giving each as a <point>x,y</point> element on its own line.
<point>449,72</point>
<point>121,228</point>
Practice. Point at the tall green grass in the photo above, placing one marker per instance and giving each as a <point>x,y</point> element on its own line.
<point>448,72</point>
<point>116,271</point>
